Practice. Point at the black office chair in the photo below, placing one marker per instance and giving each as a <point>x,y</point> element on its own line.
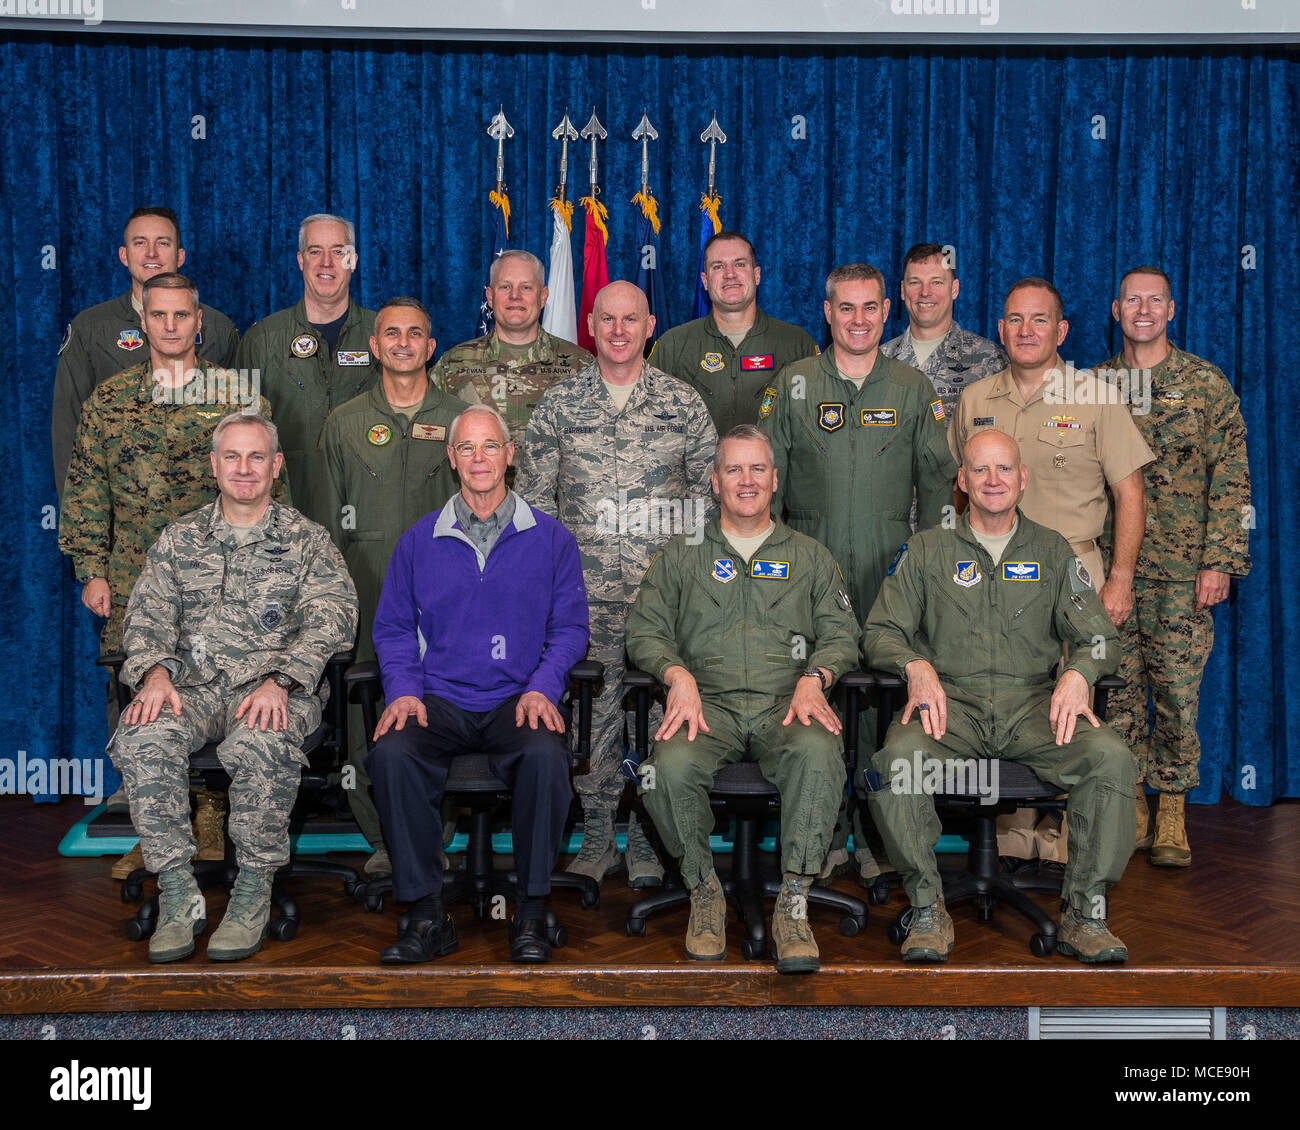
<point>326,749</point>
<point>741,792</point>
<point>472,781</point>
<point>983,878</point>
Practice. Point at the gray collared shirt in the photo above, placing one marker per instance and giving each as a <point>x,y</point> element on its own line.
<point>483,532</point>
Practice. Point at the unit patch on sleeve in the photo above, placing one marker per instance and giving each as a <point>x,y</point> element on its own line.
<point>129,340</point>
<point>936,406</point>
<point>768,403</point>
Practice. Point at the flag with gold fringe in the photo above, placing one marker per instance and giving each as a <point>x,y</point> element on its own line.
<point>560,314</point>
<point>648,276</point>
<point>499,202</point>
<point>595,269</point>
<point>710,225</point>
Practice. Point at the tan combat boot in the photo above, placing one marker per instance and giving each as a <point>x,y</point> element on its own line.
<point>133,860</point>
<point>248,914</point>
<point>643,866</point>
<point>1144,834</point>
<point>930,933</point>
<point>1088,939</point>
<point>209,812</point>
<point>793,943</point>
<point>182,915</point>
<point>1170,847</point>
<point>706,933</point>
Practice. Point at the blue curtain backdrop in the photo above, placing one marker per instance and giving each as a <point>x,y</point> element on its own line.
<point>1072,164</point>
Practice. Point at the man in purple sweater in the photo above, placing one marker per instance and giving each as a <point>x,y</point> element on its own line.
<point>482,614</point>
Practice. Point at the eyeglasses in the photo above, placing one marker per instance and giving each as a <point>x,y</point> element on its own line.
<point>491,448</point>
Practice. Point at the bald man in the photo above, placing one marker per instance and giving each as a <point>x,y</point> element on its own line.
<point>973,618</point>
<point>622,454</point>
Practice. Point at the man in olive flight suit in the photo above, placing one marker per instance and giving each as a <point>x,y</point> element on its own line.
<point>856,435</point>
<point>314,356</point>
<point>731,354</point>
<point>105,339</point>
<point>386,457</point>
<point>974,618</point>
<point>747,628</point>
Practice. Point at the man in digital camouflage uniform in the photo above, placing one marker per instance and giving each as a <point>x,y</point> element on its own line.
<point>512,366</point>
<point>973,617</point>
<point>622,454</point>
<point>933,342</point>
<point>105,339</point>
<point>747,628</point>
<point>733,353</point>
<point>140,461</point>
<point>386,455</point>
<point>238,609</point>
<point>1196,540</point>
<point>314,356</point>
<point>858,435</point>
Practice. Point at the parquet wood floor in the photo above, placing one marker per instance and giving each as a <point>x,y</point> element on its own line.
<point>1225,932</point>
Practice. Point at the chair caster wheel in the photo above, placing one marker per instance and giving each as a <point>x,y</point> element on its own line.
<point>136,931</point>
<point>350,887</point>
<point>878,893</point>
<point>289,909</point>
<point>283,929</point>
<point>131,892</point>
<point>374,903</point>
<point>588,900</point>
<point>751,950</point>
<point>636,927</point>
<point>1040,945</point>
<point>557,936</point>
<point>897,934</point>
<point>849,926</point>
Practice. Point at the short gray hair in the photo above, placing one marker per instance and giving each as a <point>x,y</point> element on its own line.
<point>853,272</point>
<point>526,256</point>
<point>744,432</point>
<point>500,419</point>
<point>321,217</point>
<point>249,415</point>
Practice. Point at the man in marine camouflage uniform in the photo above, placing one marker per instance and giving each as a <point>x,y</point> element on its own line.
<point>933,342</point>
<point>620,453</point>
<point>511,367</point>
<point>107,338</point>
<point>314,356</point>
<point>731,355</point>
<point>386,454</point>
<point>238,609</point>
<point>1196,540</point>
<point>140,461</point>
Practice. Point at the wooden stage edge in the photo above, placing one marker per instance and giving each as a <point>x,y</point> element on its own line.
<point>567,986</point>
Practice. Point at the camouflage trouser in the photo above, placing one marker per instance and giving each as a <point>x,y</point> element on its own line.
<point>1166,644</point>
<point>1096,767</point>
<point>601,786</point>
<point>804,762</point>
<point>264,768</point>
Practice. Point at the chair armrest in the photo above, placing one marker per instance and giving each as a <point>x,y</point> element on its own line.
<point>642,686</point>
<point>584,676</point>
<point>363,686</point>
<point>1101,692</point>
<point>854,685</point>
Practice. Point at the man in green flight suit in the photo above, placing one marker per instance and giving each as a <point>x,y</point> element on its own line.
<point>856,434</point>
<point>1196,540</point>
<point>511,367</point>
<point>973,618</point>
<point>107,338</point>
<point>731,354</point>
<point>387,462</point>
<point>747,628</point>
<point>314,356</point>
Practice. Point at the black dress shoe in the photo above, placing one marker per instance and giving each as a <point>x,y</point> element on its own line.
<point>528,941</point>
<point>422,940</point>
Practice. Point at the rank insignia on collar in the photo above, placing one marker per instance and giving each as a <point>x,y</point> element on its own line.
<point>767,404</point>
<point>830,417</point>
<point>1172,394</point>
<point>304,345</point>
<point>879,417</point>
<point>712,362</point>
<point>1020,570</point>
<point>936,406</point>
<point>380,434</point>
<point>968,574</point>
<point>130,340</point>
<point>724,569</point>
<point>770,570</point>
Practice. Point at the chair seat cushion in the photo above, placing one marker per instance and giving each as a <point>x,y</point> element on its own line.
<point>742,778</point>
<point>1013,781</point>
<point>472,773</point>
